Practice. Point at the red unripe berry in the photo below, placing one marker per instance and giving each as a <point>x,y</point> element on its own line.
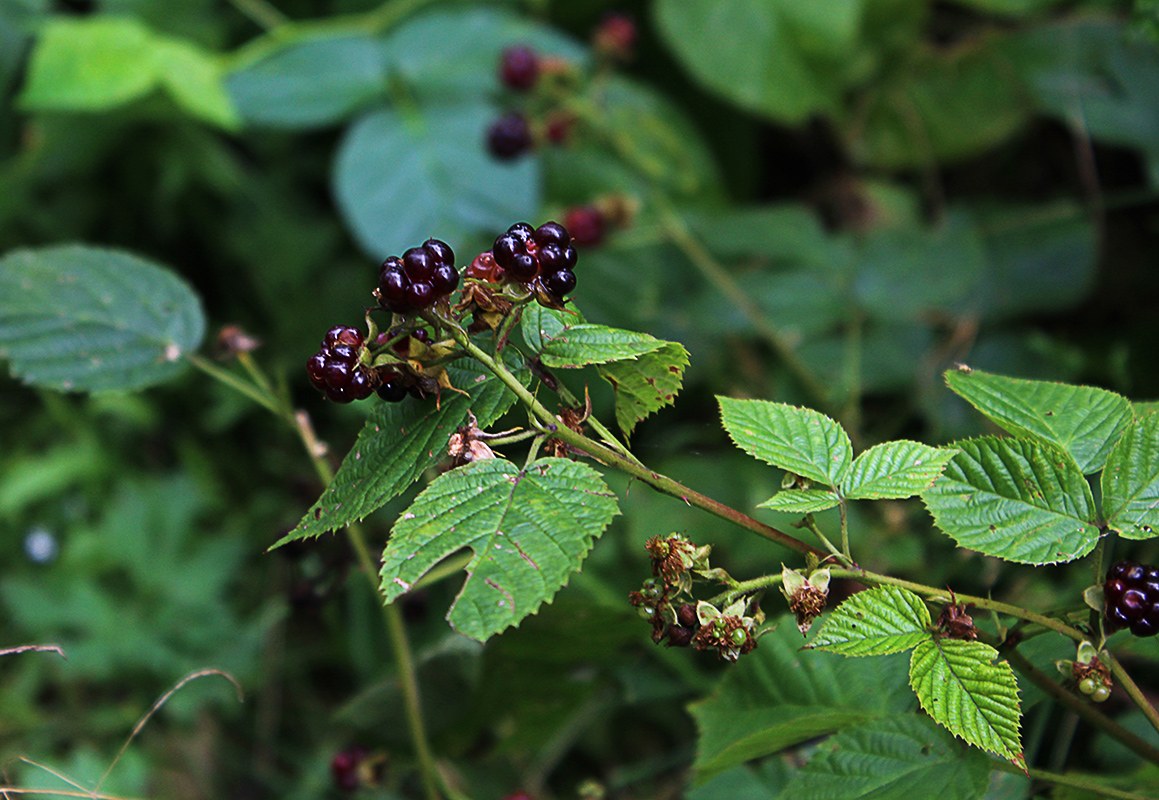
<point>616,35</point>
<point>586,224</point>
<point>519,67</point>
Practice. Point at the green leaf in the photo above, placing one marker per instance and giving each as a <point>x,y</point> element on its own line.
<point>1130,480</point>
<point>784,57</point>
<point>1084,421</point>
<point>877,621</point>
<point>541,326</point>
<point>646,384</point>
<point>195,80</point>
<point>78,318</point>
<point>895,470</point>
<point>529,529</point>
<point>1015,499</point>
<point>777,697</point>
<point>892,758</point>
<point>89,64</point>
<point>311,84</point>
<point>801,501</point>
<point>960,686</point>
<point>584,344</point>
<point>800,440</point>
<point>401,178</point>
<point>399,442</point>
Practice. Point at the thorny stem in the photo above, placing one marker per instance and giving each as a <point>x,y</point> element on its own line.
<point>396,629</point>
<point>611,458</point>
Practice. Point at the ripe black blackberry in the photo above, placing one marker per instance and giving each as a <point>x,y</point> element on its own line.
<point>415,281</point>
<point>336,369</point>
<point>509,136</point>
<point>540,258</point>
<point>519,67</point>
<point>1131,592</point>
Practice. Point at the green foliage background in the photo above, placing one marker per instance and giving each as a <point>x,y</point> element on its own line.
<point>833,202</point>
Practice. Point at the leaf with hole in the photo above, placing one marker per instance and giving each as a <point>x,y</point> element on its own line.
<point>1130,480</point>
<point>529,529</point>
<point>962,687</point>
<point>78,318</point>
<point>877,621</point>
<point>1082,420</point>
<point>800,440</point>
<point>1015,499</point>
<point>895,470</point>
<point>645,384</point>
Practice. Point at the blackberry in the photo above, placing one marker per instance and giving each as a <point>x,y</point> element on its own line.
<point>519,67</point>
<point>423,275</point>
<point>1132,598</point>
<point>336,370</point>
<point>509,136</point>
<point>539,258</point>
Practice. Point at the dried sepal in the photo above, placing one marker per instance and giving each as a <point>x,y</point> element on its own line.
<point>806,596</point>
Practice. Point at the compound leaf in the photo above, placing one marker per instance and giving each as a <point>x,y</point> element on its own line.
<point>800,440</point>
<point>400,177</point>
<point>398,443</point>
<point>1083,420</point>
<point>875,622</point>
<point>584,344</point>
<point>801,501</point>
<point>1130,480</point>
<point>78,318</point>
<point>529,529</point>
<point>646,384</point>
<point>895,470</point>
<point>195,80</point>
<point>888,758</point>
<point>959,684</point>
<point>777,697</point>
<point>1015,499</point>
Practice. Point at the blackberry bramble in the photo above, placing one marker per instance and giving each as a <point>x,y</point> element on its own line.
<point>541,259</point>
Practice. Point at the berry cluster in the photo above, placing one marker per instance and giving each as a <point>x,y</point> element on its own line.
<point>519,67</point>
<point>396,384</point>
<point>541,259</point>
<point>509,136</point>
<point>415,281</point>
<point>336,371</point>
<point>1132,597</point>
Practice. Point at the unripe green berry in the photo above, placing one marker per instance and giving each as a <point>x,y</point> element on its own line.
<point>739,637</point>
<point>646,613</point>
<point>1101,693</point>
<point>1088,685</point>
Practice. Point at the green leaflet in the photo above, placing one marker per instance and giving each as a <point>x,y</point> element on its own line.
<point>960,686</point>
<point>799,440</point>
<point>78,318</point>
<point>895,470</point>
<point>1130,480</point>
<point>646,384</point>
<point>584,344</point>
<point>877,621</point>
<point>892,758</point>
<point>1015,499</point>
<point>801,501</point>
<point>399,442</point>
<point>1084,421</point>
<point>529,529</point>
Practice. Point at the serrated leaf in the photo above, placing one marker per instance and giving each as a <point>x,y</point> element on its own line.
<point>877,621</point>
<point>800,440</point>
<point>959,684</point>
<point>1015,499</point>
<point>777,697</point>
<point>1083,420</point>
<point>529,529</point>
<point>312,83</point>
<point>584,344</point>
<point>895,470</point>
<point>78,318</point>
<point>646,384</point>
<point>89,64</point>
<point>892,758</point>
<point>541,326</point>
<point>399,442</point>
<point>401,177</point>
<point>1130,480</point>
<point>801,501</point>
